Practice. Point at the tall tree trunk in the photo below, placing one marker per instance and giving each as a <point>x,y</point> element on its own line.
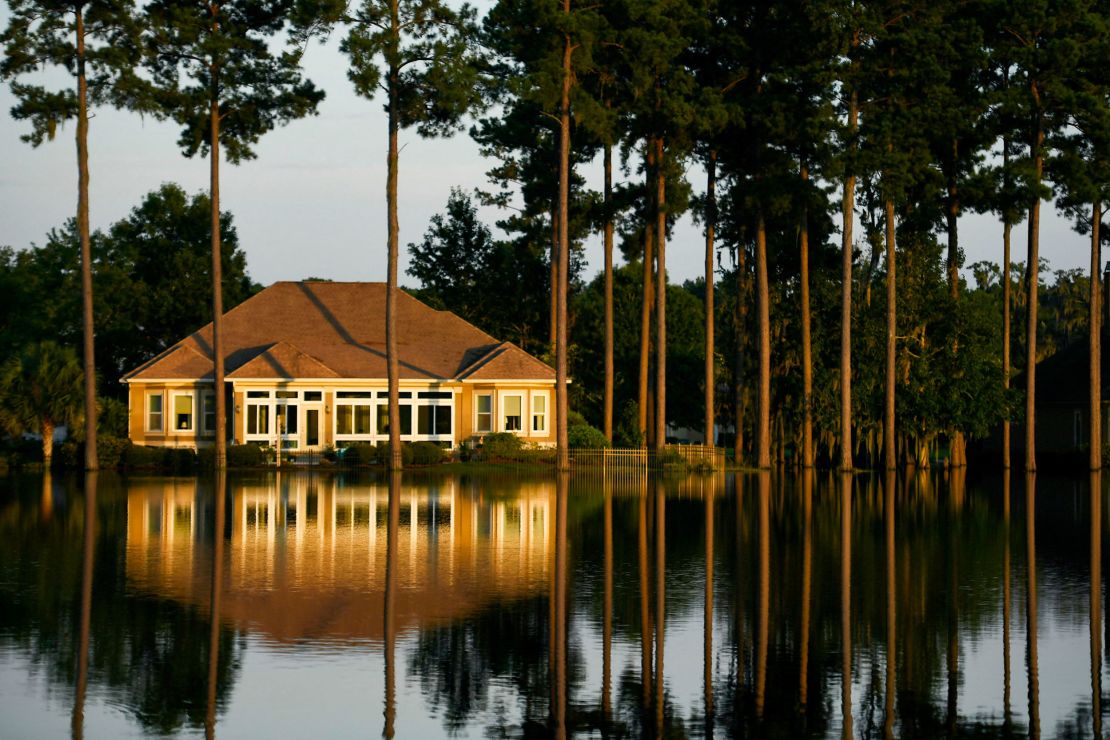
<point>391,360</point>
<point>648,297</point>
<point>553,309</point>
<point>763,299</point>
<point>710,311</point>
<point>217,265</point>
<point>88,354</point>
<point>1095,332</point>
<point>741,337</point>
<point>889,454</point>
<point>660,298</point>
<point>807,343</point>
<point>608,413</point>
<point>848,205</point>
<point>952,214</point>
<point>1006,300</point>
<point>563,460</point>
<point>46,426</point>
<point>1031,287</point>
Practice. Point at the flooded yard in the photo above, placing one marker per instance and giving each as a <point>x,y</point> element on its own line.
<point>300,604</point>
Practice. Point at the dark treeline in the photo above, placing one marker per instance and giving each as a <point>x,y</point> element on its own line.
<point>840,143</point>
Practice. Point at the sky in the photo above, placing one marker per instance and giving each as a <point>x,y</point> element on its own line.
<point>313,202</point>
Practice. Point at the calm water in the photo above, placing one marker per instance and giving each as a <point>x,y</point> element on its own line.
<point>300,605</point>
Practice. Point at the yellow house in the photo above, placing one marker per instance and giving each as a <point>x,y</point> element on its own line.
<point>305,365</point>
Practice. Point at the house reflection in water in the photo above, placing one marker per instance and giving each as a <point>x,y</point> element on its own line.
<point>307,554</point>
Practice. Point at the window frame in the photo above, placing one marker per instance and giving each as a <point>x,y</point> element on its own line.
<point>546,431</point>
<point>502,418</point>
<point>478,395</point>
<point>192,396</point>
<point>161,396</point>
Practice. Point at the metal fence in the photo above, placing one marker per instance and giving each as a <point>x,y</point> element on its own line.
<point>638,460</point>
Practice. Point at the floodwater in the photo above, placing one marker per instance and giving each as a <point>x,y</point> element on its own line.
<point>338,605</point>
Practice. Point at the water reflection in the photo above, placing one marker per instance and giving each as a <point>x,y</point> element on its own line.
<point>707,606</point>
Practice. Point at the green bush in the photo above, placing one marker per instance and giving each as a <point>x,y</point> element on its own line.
<point>139,456</point>
<point>426,453</point>
<point>110,451</point>
<point>360,453</point>
<point>501,446</point>
<point>383,453</point>
<point>180,459</point>
<point>586,437</point>
<point>246,456</point>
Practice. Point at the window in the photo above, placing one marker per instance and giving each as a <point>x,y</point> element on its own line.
<point>383,419</point>
<point>286,394</point>
<point>364,419</point>
<point>511,411</point>
<point>208,412</point>
<point>258,394</point>
<point>483,405</point>
<point>314,396</point>
<point>286,418</point>
<point>354,394</point>
<point>433,420</point>
<point>400,394</point>
<point>183,412</point>
<point>154,412</point>
<point>344,420</point>
<point>258,418</point>
<point>434,394</point>
<point>539,413</point>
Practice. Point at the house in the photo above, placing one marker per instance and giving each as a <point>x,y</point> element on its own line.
<point>305,361</point>
<point>1063,431</point>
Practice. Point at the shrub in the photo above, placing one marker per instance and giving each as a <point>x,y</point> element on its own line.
<point>111,419</point>
<point>180,459</point>
<point>246,456</point>
<point>138,456</point>
<point>360,453</point>
<point>426,453</point>
<point>501,445</point>
<point>586,437</point>
<point>110,451</point>
<point>383,453</point>
<point>575,419</point>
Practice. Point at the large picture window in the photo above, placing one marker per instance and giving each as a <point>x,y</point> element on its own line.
<point>433,420</point>
<point>258,418</point>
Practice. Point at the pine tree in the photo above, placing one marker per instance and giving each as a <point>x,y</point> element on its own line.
<point>96,44</point>
<point>216,73</point>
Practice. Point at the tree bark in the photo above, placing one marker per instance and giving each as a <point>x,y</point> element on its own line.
<point>47,428</point>
<point>88,354</point>
<point>1095,332</point>
<point>660,298</point>
<point>217,263</point>
<point>553,318</point>
<point>807,342</point>
<point>848,205</point>
<point>563,460</point>
<point>710,310</point>
<point>647,301</point>
<point>952,214</point>
<point>763,297</point>
<point>1007,227</point>
<point>1006,300</point>
<point>741,336</point>
<point>889,454</point>
<point>608,412</point>
<point>391,360</point>
<point>1031,287</point>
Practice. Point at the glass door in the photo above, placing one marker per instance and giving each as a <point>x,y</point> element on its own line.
<point>312,427</point>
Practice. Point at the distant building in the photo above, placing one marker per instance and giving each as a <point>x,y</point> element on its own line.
<point>1063,407</point>
<point>306,362</point>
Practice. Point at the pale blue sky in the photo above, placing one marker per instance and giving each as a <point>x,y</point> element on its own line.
<point>313,203</point>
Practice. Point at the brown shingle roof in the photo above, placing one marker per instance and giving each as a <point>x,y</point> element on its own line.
<point>505,362</point>
<point>338,327</point>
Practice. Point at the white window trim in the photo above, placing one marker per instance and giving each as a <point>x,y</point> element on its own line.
<point>546,395</point>
<point>492,412</point>
<point>501,397</point>
<point>146,411</point>
<point>192,396</point>
<point>203,418</point>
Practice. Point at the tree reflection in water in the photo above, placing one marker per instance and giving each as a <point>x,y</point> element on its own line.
<point>814,605</point>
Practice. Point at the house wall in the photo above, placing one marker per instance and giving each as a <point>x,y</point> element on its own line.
<point>537,401</point>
